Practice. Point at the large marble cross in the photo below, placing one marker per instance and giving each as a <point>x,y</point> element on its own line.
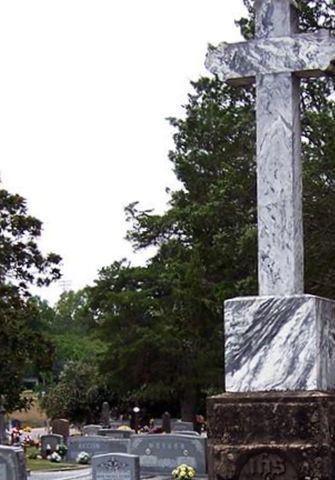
<point>276,59</point>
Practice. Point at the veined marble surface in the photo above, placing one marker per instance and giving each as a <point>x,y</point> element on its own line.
<point>276,18</point>
<point>307,54</point>
<point>279,186</point>
<point>280,343</point>
<point>275,60</point>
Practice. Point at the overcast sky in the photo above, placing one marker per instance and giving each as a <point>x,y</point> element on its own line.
<point>85,88</point>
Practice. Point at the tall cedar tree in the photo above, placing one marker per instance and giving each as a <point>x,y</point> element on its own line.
<point>163,322</point>
<point>22,345</point>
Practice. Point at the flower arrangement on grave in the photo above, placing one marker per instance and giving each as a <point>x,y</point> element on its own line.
<point>54,457</point>
<point>124,428</point>
<point>183,472</point>
<point>83,458</point>
<point>61,449</point>
<point>27,441</point>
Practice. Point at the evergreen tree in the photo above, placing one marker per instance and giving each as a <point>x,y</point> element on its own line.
<point>165,319</point>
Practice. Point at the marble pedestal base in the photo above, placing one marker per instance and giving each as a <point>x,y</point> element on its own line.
<point>279,343</point>
<point>271,435</point>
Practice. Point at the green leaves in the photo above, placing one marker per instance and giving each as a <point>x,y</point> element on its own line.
<point>20,258</point>
<point>22,345</point>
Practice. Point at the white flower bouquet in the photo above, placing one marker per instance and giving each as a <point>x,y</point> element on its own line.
<point>83,458</point>
<point>183,472</point>
<point>54,457</point>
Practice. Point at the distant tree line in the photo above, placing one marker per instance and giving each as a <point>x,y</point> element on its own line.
<point>153,334</point>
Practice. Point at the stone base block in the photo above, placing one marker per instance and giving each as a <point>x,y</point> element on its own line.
<point>272,436</point>
<point>280,343</point>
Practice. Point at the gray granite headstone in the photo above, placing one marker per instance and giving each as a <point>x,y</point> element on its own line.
<point>3,435</point>
<point>113,466</point>
<point>166,422</point>
<point>12,463</point>
<point>95,445</point>
<point>160,454</point>
<point>91,429</point>
<point>61,426</point>
<point>51,439</point>
<point>105,415</point>
<point>115,433</point>
<point>180,425</point>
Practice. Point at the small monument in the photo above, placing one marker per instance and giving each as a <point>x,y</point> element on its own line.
<point>61,426</point>
<point>3,435</point>
<point>282,340</point>
<point>166,422</point>
<point>105,415</point>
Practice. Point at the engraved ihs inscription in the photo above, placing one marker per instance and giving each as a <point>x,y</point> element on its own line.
<point>267,466</point>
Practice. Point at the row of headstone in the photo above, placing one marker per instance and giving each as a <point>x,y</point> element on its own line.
<point>158,454</point>
<point>94,429</point>
<point>115,433</point>
<point>172,424</point>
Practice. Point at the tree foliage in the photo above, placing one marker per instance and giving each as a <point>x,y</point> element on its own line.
<point>163,322</point>
<point>78,395</point>
<point>22,265</point>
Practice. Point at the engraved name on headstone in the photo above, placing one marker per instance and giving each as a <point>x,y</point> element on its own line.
<point>160,453</point>
<point>115,467</point>
<point>95,445</point>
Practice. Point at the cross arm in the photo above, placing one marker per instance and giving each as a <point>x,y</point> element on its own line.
<point>308,55</point>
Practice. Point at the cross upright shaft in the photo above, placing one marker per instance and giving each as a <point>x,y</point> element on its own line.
<point>275,60</point>
<point>279,172</point>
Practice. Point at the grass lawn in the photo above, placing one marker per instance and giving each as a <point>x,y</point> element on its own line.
<point>35,464</point>
<point>38,465</point>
